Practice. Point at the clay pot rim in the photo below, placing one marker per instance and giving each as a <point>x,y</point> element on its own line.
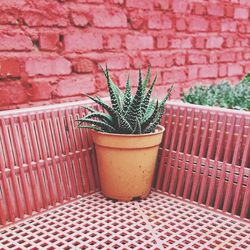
<point>159,129</point>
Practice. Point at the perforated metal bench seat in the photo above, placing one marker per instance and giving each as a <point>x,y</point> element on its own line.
<point>49,185</point>
<point>160,222</point>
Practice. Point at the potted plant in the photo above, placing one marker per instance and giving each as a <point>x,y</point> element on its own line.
<point>126,137</point>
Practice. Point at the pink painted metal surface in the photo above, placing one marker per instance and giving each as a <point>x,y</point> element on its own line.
<point>160,222</point>
<point>46,161</point>
<point>206,157</point>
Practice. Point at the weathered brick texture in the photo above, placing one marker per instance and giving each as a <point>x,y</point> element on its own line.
<point>50,50</point>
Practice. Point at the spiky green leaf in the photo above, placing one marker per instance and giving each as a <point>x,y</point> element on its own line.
<point>127,97</point>
<point>151,117</point>
<point>135,107</point>
<point>137,129</point>
<point>146,99</point>
<point>145,82</point>
<point>103,125</point>
<point>89,108</point>
<point>99,115</point>
<point>152,126</point>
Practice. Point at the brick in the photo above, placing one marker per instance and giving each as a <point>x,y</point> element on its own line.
<point>181,24</point>
<point>133,76</point>
<point>118,61</point>
<point>114,42</point>
<point>246,55</point>
<point>142,4</point>
<point>213,57</point>
<point>12,92</point>
<point>110,19</point>
<point>9,16</point>
<point>79,19</point>
<point>227,57</point>
<point>101,82</point>
<point>175,76</point>
<point>48,15</point>
<point>179,6</point>
<point>156,60</point>
<point>161,4</point>
<point>239,56</point>
<point>198,24</point>
<point>170,59</point>
<point>162,42</point>
<point>230,26</point>
<point>192,72</point>
<point>222,70</point>
<point>40,90</point>
<point>247,68</point>
<point>175,43</point>
<point>214,42</point>
<point>242,28</point>
<point>245,2</point>
<point>13,3</point>
<point>197,59</point>
<point>241,13</point>
<point>118,1</point>
<point>186,43</point>
<point>49,41</point>
<point>229,42</point>
<point>10,67</point>
<point>215,25</point>
<point>158,21</point>
<point>160,92</point>
<point>73,86</point>
<point>139,42</point>
<point>229,11</point>
<point>9,42</point>
<point>47,66</point>
<point>244,43</point>
<point>83,41</point>
<point>208,71</point>
<point>83,65</point>
<point>215,10</point>
<point>199,9</point>
<point>200,42</point>
<point>137,19</point>
<point>180,59</point>
<point>235,70</point>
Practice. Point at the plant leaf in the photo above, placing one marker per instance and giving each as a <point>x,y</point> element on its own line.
<point>101,116</point>
<point>135,107</point>
<point>89,108</point>
<point>106,127</point>
<point>148,95</point>
<point>151,118</point>
<point>127,97</point>
<point>145,82</point>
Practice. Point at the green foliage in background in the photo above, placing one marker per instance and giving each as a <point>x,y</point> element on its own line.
<point>222,95</point>
<point>128,113</point>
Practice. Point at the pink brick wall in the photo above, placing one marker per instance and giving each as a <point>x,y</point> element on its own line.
<point>49,50</point>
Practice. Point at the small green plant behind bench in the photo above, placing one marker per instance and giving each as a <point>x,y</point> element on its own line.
<point>222,95</point>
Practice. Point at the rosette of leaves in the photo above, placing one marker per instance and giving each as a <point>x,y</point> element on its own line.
<point>127,113</point>
<point>222,95</point>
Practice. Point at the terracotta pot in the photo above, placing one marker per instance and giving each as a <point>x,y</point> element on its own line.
<point>126,163</point>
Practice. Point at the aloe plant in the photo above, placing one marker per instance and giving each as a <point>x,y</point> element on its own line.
<point>128,113</point>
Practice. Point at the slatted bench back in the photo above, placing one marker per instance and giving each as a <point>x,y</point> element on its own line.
<point>45,160</point>
<point>205,157</point>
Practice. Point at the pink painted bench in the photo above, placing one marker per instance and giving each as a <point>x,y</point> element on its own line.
<point>49,188</point>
